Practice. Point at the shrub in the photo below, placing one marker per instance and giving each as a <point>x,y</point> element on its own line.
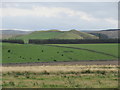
<point>12,83</point>
<point>45,72</point>
<point>9,50</point>
<point>55,60</point>
<point>87,71</point>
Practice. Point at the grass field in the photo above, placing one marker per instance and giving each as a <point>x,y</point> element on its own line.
<point>95,76</point>
<point>20,53</point>
<point>106,48</point>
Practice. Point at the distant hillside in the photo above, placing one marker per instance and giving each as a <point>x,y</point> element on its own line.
<point>56,34</point>
<point>111,30</point>
<point>5,34</point>
<point>111,33</point>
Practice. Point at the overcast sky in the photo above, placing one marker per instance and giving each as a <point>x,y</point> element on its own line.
<point>59,15</point>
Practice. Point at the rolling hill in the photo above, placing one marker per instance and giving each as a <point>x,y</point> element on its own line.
<point>103,34</point>
<point>56,34</point>
<point>5,34</point>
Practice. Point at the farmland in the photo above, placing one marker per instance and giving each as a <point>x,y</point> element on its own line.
<point>75,76</point>
<point>21,53</point>
<point>59,65</point>
<point>106,48</point>
<point>59,44</point>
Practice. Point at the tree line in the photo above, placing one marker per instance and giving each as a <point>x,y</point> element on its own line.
<point>72,41</point>
<point>62,41</point>
<point>12,41</point>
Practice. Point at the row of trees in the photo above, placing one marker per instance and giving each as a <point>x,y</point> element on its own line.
<point>72,41</point>
<point>12,41</point>
<point>63,41</point>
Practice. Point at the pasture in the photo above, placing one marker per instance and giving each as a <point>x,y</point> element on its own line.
<point>106,48</point>
<point>21,53</point>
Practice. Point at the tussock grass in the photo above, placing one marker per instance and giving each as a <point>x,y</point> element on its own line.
<point>83,76</point>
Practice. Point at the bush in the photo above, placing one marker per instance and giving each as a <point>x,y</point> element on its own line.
<point>12,83</point>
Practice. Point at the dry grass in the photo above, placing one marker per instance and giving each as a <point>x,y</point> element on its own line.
<point>76,76</point>
<point>75,68</point>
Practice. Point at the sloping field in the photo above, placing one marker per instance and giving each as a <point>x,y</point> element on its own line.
<point>21,53</point>
<point>111,49</point>
<point>51,34</point>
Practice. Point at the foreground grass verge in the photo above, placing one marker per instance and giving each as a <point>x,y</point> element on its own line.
<point>90,76</point>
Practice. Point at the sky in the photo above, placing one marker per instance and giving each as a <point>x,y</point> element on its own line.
<point>59,15</point>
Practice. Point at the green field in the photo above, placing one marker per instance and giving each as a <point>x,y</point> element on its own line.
<point>20,53</point>
<point>106,48</point>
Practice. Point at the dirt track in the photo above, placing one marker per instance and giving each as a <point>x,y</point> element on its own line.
<point>98,62</point>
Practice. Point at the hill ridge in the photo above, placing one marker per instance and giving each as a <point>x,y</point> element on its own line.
<point>56,34</point>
